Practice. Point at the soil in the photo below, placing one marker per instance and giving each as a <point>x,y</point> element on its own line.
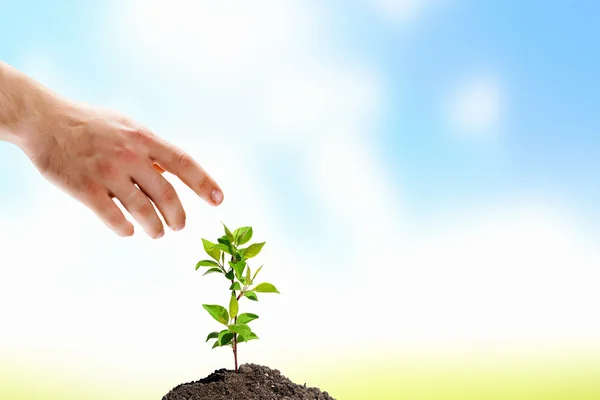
<point>252,382</point>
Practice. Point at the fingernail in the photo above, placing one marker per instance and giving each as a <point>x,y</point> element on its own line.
<point>216,196</point>
<point>178,227</point>
<point>161,234</point>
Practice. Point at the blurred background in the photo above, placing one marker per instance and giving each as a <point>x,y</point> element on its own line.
<point>425,175</point>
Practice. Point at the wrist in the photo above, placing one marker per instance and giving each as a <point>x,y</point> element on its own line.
<point>22,106</point>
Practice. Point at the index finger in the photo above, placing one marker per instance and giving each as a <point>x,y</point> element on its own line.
<point>181,164</point>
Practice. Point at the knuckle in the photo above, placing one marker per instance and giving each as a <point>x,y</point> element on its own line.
<point>203,182</point>
<point>131,198</point>
<point>114,218</point>
<point>144,209</point>
<point>141,135</point>
<point>184,160</point>
<point>168,194</point>
<point>138,134</point>
<point>125,154</point>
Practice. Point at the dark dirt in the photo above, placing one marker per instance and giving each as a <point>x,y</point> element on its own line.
<point>252,382</point>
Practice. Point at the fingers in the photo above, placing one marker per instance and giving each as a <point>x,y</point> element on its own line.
<point>140,207</point>
<point>112,216</point>
<point>163,195</point>
<point>179,163</point>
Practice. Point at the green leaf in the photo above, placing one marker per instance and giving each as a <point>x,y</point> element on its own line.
<point>236,233</point>
<point>253,250</point>
<point>212,335</point>
<point>251,337</point>
<point>241,253</point>
<point>256,273</point>
<point>243,235</point>
<point>235,286</point>
<point>265,288</point>
<point>233,306</point>
<point>251,295</point>
<point>238,267</point>
<point>212,271</point>
<point>210,249</point>
<point>228,232</point>
<point>206,263</point>
<point>224,240</point>
<point>219,313</point>
<point>247,279</point>
<point>225,337</point>
<point>229,274</point>
<point>246,317</point>
<point>241,329</point>
<point>222,247</point>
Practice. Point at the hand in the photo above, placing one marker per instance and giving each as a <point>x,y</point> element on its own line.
<point>96,155</point>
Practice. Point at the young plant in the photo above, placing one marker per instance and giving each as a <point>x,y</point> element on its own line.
<point>241,284</point>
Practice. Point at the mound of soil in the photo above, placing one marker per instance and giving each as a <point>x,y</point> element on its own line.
<point>252,382</point>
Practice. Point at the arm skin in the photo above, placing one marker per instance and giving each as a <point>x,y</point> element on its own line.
<point>97,155</point>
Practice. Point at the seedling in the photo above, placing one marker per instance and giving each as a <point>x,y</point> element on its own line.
<point>241,280</point>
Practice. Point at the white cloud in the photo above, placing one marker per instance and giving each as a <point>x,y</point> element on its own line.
<point>401,11</point>
<point>476,108</point>
<point>510,273</point>
<point>221,45</point>
<point>310,102</point>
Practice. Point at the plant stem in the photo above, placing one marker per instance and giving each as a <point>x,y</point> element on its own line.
<point>235,348</point>
<point>235,334</point>
<point>235,356</point>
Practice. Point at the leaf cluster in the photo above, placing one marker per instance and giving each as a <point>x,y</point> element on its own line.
<point>237,271</point>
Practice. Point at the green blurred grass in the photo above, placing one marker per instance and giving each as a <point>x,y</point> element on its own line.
<point>466,384</point>
<point>513,378</point>
<point>542,376</point>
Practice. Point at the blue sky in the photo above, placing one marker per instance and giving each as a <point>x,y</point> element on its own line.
<point>461,135</point>
<point>546,54</point>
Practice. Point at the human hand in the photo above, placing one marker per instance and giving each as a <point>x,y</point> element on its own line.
<point>96,155</point>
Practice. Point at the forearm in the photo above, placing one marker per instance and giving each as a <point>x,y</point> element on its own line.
<point>22,102</point>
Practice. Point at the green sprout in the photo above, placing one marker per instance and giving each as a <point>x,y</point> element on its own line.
<point>239,275</point>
